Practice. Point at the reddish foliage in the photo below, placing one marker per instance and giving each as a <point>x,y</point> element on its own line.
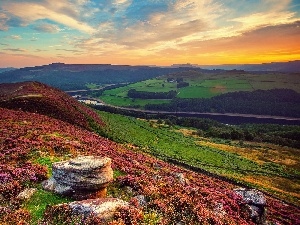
<point>39,98</point>
<point>14,217</point>
<point>202,199</point>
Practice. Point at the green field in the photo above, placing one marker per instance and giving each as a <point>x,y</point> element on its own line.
<point>212,87</point>
<point>202,85</point>
<point>254,165</point>
<point>128,102</point>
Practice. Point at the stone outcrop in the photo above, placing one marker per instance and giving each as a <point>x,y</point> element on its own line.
<point>255,203</point>
<point>81,178</point>
<point>103,208</point>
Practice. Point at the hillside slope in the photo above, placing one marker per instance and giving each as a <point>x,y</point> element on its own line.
<point>39,98</point>
<point>28,140</point>
<point>31,142</point>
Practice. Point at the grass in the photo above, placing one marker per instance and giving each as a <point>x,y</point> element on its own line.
<point>221,158</point>
<point>47,161</point>
<point>196,92</point>
<point>202,85</point>
<point>39,201</point>
<point>91,85</point>
<point>127,102</point>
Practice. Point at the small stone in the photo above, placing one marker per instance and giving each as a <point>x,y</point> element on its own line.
<point>142,200</point>
<point>26,194</point>
<point>157,166</point>
<point>128,189</point>
<point>156,177</point>
<point>180,177</point>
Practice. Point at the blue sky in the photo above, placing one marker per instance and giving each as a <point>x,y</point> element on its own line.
<point>160,32</point>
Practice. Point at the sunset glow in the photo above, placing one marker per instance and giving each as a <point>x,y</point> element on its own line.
<point>148,32</point>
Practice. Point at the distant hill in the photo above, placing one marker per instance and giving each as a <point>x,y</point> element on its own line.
<point>39,98</point>
<point>6,69</point>
<point>77,76</point>
<point>292,66</point>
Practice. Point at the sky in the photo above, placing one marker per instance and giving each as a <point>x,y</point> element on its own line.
<point>148,32</point>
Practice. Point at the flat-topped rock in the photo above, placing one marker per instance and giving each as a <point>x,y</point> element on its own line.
<point>80,177</point>
<point>84,163</point>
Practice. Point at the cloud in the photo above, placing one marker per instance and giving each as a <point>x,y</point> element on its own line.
<point>182,18</point>
<point>59,11</point>
<point>121,2</point>
<point>15,49</point>
<point>279,42</point>
<point>258,20</point>
<point>40,50</point>
<point>69,50</point>
<point>47,28</point>
<point>153,28</point>
<point>34,39</point>
<point>3,21</point>
<point>15,37</point>
<point>267,13</point>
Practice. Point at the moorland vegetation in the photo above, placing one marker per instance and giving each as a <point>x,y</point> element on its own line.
<point>31,141</point>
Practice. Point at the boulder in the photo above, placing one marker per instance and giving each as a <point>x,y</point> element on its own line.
<point>251,196</point>
<point>254,202</point>
<point>81,178</point>
<point>103,208</point>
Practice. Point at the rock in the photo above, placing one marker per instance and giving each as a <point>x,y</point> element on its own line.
<point>103,208</point>
<point>81,178</point>
<point>128,190</point>
<point>52,185</point>
<point>180,177</point>
<point>141,200</point>
<point>156,177</point>
<point>26,194</point>
<point>252,196</point>
<point>255,203</point>
<point>157,166</point>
